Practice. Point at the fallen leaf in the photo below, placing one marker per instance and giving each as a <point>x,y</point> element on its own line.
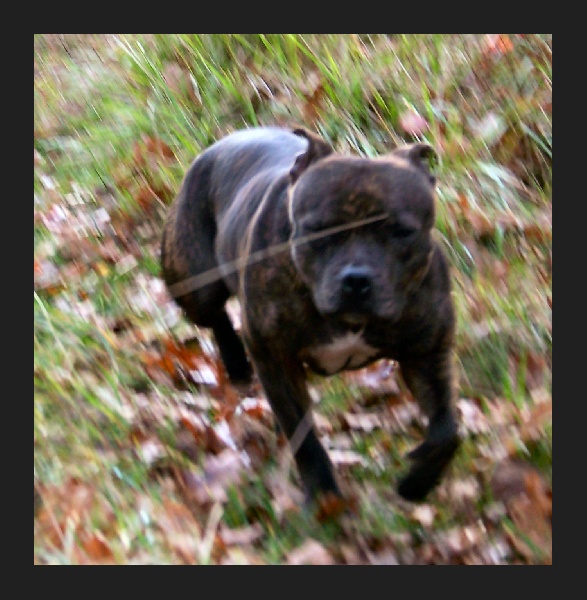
<point>413,123</point>
<point>366,422</point>
<point>218,474</point>
<point>531,512</point>
<point>286,497</point>
<point>490,128</point>
<point>463,492</point>
<point>493,552</point>
<point>322,423</point>
<point>182,532</point>
<point>181,362</point>
<point>149,449</point>
<point>257,408</point>
<point>205,435</point>
<point>533,425</point>
<point>314,96</point>
<point>498,43</point>
<point>509,480</point>
<point>346,458</point>
<point>96,548</point>
<point>71,505</point>
<point>181,81</point>
<point>528,500</point>
<point>350,554</point>
<point>150,145</point>
<point>310,552</point>
<point>242,536</point>
<point>379,377</point>
<point>402,416</point>
<point>382,557</point>
<point>241,556</point>
<point>455,542</point>
<point>472,417</point>
<point>331,506</point>
<point>424,514</point>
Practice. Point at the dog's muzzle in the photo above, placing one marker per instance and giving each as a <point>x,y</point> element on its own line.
<point>356,290</point>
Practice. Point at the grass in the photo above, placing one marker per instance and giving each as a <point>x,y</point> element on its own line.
<point>117,121</point>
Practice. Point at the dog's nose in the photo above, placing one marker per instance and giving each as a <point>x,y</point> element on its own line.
<point>356,283</point>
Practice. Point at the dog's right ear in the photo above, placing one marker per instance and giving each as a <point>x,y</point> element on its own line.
<point>317,149</point>
<point>422,156</point>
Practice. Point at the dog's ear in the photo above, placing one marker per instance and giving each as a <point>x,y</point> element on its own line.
<point>422,156</point>
<point>317,149</point>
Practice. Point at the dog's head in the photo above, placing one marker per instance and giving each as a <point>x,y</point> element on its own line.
<point>361,228</point>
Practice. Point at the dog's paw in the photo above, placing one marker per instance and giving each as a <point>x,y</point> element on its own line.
<point>430,461</point>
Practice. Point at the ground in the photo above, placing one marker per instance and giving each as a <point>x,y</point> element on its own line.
<point>143,452</point>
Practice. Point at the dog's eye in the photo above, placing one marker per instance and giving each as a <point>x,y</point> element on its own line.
<point>403,232</point>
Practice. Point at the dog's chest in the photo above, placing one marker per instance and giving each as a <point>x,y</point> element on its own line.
<point>347,351</point>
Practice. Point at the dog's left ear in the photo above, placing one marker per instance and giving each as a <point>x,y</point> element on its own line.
<point>317,149</point>
<point>421,156</point>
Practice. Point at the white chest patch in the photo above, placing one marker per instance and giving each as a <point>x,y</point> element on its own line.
<point>346,352</point>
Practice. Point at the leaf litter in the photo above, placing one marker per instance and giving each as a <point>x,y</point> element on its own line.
<point>223,438</point>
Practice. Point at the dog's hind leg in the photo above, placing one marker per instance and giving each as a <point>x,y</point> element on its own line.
<point>231,349</point>
<point>187,251</point>
<point>205,308</point>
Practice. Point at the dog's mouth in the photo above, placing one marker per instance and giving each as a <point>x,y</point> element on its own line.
<point>353,321</point>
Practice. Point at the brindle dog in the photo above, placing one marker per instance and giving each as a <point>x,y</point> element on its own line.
<point>333,261</point>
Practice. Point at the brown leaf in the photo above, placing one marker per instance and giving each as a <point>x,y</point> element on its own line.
<point>331,506</point>
<point>180,81</point>
<point>158,146</point>
<point>534,424</point>
<point>70,505</point>
<point>181,362</point>
<point>380,378</point>
<point>314,95</point>
<point>204,434</point>
<point>528,500</point>
<point>286,497</point>
<point>219,473</point>
<point>257,408</point>
<point>508,480</point>
<point>310,552</point>
<point>96,548</point>
<point>242,536</point>
<point>532,516</point>
<point>150,145</point>
<point>182,532</point>
<point>538,232</point>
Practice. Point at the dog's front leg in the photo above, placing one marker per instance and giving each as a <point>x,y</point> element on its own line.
<point>430,381</point>
<point>284,382</point>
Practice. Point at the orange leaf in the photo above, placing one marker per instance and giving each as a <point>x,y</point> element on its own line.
<point>158,146</point>
<point>498,43</point>
<point>96,547</point>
